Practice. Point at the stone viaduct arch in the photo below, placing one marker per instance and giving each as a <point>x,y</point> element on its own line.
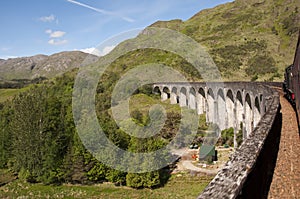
<point>253,108</point>
<point>239,107</point>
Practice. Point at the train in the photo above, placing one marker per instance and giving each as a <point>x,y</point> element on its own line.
<point>291,84</point>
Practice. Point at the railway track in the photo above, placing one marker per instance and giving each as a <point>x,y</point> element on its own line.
<point>286,178</point>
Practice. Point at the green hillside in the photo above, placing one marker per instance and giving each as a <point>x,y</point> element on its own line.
<point>7,94</point>
<point>247,39</point>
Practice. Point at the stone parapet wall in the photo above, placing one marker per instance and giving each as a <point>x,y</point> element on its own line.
<point>248,173</point>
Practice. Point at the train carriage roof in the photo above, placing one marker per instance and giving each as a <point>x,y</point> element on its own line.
<point>297,53</point>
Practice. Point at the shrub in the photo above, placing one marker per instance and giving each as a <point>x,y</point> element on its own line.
<point>140,180</point>
<point>261,64</point>
<point>227,137</point>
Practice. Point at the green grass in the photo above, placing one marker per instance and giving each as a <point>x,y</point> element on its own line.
<point>5,177</point>
<point>8,94</point>
<point>143,103</point>
<point>179,186</point>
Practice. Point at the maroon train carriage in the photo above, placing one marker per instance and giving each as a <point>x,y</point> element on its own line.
<point>291,85</point>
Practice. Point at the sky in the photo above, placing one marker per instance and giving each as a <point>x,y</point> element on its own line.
<point>50,26</point>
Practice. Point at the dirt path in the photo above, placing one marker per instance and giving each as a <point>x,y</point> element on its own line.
<point>286,179</point>
<point>187,164</point>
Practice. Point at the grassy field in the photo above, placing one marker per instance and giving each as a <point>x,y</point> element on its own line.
<point>7,94</point>
<point>179,186</point>
<point>143,103</point>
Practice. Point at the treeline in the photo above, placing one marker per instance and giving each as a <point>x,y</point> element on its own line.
<point>39,142</point>
<point>20,83</point>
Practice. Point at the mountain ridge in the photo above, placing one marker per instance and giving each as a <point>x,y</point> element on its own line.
<point>42,65</point>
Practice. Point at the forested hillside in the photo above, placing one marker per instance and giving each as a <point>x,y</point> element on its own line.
<point>39,141</point>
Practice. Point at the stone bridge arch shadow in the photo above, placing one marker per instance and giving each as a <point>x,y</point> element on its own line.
<point>222,116</point>
<point>256,106</point>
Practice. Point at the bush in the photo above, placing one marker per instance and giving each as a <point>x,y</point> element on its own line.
<point>261,64</point>
<point>141,180</point>
<point>227,137</point>
<point>116,177</point>
<point>137,115</point>
<point>254,78</point>
<point>146,89</point>
<point>27,176</point>
<point>239,138</point>
<point>290,24</point>
<point>97,173</point>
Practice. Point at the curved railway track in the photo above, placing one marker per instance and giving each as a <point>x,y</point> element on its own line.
<point>286,178</point>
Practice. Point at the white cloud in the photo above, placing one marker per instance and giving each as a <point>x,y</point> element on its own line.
<point>93,51</point>
<point>57,42</point>
<point>49,18</point>
<point>97,52</point>
<point>54,37</point>
<point>48,31</point>
<point>7,57</point>
<point>57,34</point>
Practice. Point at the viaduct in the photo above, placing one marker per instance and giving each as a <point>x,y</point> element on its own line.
<point>253,108</point>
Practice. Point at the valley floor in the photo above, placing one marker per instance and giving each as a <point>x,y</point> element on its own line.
<point>180,185</point>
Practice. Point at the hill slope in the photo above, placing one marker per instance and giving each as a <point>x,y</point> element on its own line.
<point>247,39</point>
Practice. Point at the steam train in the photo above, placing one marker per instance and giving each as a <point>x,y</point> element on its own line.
<point>291,84</point>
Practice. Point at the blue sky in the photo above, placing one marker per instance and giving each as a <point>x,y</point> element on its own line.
<point>49,26</point>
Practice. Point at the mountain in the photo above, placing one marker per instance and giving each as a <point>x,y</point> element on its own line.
<point>247,39</point>
<point>253,39</point>
<point>42,65</point>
